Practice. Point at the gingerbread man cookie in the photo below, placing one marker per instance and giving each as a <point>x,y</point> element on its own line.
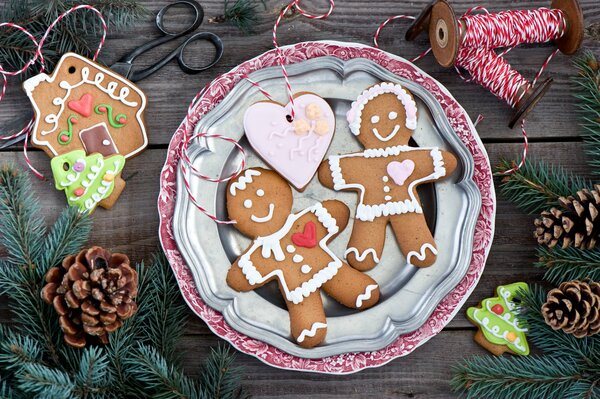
<point>292,249</point>
<point>386,176</point>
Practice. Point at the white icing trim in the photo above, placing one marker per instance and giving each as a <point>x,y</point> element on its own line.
<point>264,219</point>
<point>30,85</point>
<point>312,332</point>
<point>305,269</point>
<point>361,256</point>
<point>495,331</point>
<point>421,254</point>
<point>102,191</point>
<point>389,136</point>
<point>240,184</point>
<point>370,212</point>
<point>354,116</point>
<point>366,295</point>
<point>271,245</point>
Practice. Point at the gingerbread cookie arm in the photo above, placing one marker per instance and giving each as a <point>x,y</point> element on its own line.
<point>366,243</point>
<point>343,172</point>
<point>352,288</point>
<point>415,239</point>
<point>307,320</point>
<point>237,280</point>
<point>340,212</point>
<point>450,162</point>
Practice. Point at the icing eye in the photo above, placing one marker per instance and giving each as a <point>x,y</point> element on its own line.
<point>375,119</point>
<point>260,192</point>
<point>248,204</point>
<point>66,166</point>
<point>392,115</point>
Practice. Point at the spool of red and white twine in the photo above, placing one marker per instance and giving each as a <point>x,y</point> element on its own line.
<point>469,43</point>
<point>187,168</point>
<point>38,55</point>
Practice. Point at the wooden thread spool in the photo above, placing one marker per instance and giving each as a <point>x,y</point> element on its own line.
<point>446,34</point>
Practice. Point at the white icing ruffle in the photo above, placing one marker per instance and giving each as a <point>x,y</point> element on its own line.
<point>241,183</point>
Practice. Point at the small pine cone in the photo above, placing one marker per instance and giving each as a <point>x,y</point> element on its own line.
<point>93,293</point>
<point>576,223</point>
<point>574,307</point>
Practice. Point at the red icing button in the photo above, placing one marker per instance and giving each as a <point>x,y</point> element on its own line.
<point>64,138</point>
<point>79,191</point>
<point>73,121</point>
<point>308,238</point>
<point>498,309</point>
<point>122,120</point>
<point>102,108</point>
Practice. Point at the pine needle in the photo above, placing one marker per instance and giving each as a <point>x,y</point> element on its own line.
<point>569,264</point>
<point>242,14</point>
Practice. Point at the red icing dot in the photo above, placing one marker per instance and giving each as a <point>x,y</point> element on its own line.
<point>102,108</point>
<point>73,121</point>
<point>498,309</point>
<point>122,120</point>
<point>64,138</point>
<point>79,191</point>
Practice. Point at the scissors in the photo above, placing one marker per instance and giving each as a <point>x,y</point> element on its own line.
<point>124,66</point>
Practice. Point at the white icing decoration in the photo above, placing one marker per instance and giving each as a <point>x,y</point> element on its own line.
<point>392,115</point>
<point>366,295</point>
<point>354,116</point>
<point>385,179</point>
<point>290,248</point>
<point>260,192</point>
<point>370,212</point>
<point>386,189</point>
<point>266,218</point>
<point>375,119</point>
<point>495,330</point>
<point>102,191</point>
<point>361,256</point>
<point>389,136</point>
<point>387,198</point>
<point>312,332</point>
<point>248,204</point>
<point>240,184</point>
<point>297,258</point>
<point>305,269</point>
<point>105,142</point>
<point>421,255</point>
<point>271,245</point>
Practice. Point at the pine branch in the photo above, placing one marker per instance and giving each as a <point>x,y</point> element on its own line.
<point>537,186</point>
<point>94,376</point>
<point>68,235</point>
<point>569,264</point>
<point>45,382</point>
<point>219,378</point>
<point>242,14</point>
<point>588,95</point>
<point>20,223</point>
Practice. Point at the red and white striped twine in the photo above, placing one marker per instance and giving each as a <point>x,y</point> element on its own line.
<point>280,58</point>
<point>506,29</point>
<point>27,129</point>
<point>387,21</point>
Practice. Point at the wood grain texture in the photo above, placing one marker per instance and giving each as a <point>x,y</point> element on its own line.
<point>131,226</point>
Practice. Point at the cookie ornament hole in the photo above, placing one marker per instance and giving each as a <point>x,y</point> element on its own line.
<point>66,167</point>
<point>289,118</point>
<point>72,70</point>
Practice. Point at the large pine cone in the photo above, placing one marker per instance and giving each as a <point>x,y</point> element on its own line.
<point>574,307</point>
<point>574,224</point>
<point>93,293</point>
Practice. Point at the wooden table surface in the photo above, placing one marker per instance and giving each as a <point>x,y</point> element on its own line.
<point>132,225</point>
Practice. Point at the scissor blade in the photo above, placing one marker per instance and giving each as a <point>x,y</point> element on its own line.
<point>122,68</point>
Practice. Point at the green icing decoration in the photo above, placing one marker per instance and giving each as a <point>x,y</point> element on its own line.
<point>114,122</point>
<point>69,133</point>
<point>498,320</point>
<point>86,180</point>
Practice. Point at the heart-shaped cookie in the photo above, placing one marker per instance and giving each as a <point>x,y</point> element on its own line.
<point>294,149</point>
<point>400,171</point>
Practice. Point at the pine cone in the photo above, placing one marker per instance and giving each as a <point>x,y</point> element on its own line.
<point>93,293</point>
<point>574,307</point>
<point>573,224</point>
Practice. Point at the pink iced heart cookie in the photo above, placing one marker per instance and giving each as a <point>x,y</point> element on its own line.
<point>294,149</point>
<point>400,171</point>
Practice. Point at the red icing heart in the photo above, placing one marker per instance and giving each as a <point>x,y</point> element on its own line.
<point>308,238</point>
<point>83,106</point>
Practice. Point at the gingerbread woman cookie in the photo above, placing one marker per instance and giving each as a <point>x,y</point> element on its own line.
<point>292,249</point>
<point>386,176</point>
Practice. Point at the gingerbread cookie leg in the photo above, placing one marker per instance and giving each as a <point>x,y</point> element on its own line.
<point>352,288</point>
<point>307,320</point>
<point>415,239</point>
<point>366,243</point>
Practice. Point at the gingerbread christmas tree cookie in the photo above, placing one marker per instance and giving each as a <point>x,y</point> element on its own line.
<point>292,248</point>
<point>385,176</point>
<point>500,329</point>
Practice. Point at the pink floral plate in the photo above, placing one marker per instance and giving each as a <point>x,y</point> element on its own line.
<point>445,310</point>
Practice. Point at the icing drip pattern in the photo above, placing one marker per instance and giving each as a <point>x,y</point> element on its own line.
<point>362,256</point>
<point>312,332</point>
<point>422,254</point>
<point>243,181</point>
<point>271,246</point>
<point>366,295</point>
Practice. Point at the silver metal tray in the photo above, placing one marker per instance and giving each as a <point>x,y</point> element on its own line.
<point>409,295</point>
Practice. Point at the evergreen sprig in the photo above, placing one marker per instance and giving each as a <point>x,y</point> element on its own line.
<point>78,32</point>
<point>564,264</point>
<point>536,186</point>
<point>243,14</point>
<point>569,368</point>
<point>588,95</point>
<point>141,358</point>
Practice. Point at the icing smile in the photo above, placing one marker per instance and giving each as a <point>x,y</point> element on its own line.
<point>389,136</point>
<point>264,219</point>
